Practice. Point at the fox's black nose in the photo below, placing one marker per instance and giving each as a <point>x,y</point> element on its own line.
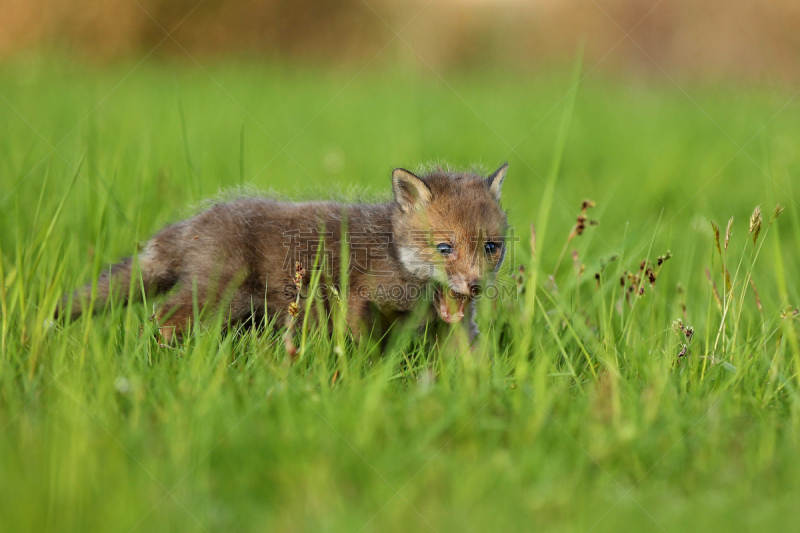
<point>474,288</point>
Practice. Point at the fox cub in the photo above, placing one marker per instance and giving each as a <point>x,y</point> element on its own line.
<point>437,244</point>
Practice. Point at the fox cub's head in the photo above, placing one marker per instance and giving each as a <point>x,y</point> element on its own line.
<point>450,229</point>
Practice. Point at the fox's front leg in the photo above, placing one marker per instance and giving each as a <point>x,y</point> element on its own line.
<point>358,316</point>
<point>174,319</point>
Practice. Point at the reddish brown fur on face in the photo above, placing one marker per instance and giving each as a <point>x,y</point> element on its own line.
<point>239,257</point>
<point>462,212</point>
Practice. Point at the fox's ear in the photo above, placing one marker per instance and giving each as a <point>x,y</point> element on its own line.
<point>409,190</point>
<point>495,181</point>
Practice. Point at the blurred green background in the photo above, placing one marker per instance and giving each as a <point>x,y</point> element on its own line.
<point>160,136</point>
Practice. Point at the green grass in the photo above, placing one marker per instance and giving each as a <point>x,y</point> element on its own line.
<point>575,413</point>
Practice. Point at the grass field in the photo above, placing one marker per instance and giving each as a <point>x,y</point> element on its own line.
<point>576,413</point>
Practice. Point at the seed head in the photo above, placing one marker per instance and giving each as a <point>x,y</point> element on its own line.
<point>299,274</point>
<point>583,220</point>
<point>715,229</point>
<point>776,213</point>
<point>728,232</point>
<point>521,276</point>
<point>790,314</point>
<point>755,223</point>
<point>580,225</point>
<point>688,331</point>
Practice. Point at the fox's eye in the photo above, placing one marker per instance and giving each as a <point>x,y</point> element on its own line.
<point>490,247</point>
<point>444,248</point>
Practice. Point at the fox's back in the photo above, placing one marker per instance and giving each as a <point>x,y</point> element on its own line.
<point>266,238</point>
